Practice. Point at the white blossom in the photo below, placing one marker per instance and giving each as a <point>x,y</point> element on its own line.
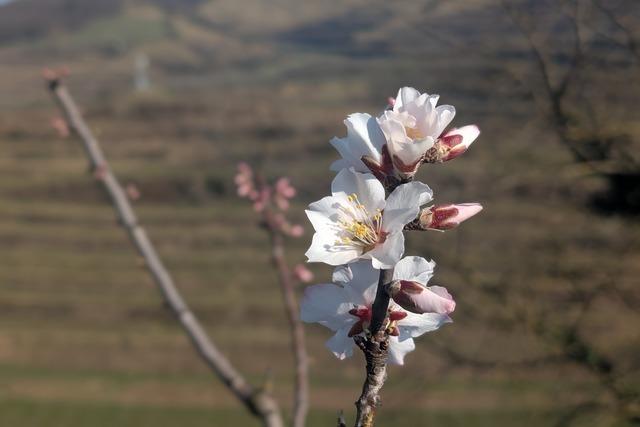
<point>357,222</point>
<point>413,126</point>
<point>344,306</point>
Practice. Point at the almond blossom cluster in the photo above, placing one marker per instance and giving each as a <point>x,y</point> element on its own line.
<point>359,228</point>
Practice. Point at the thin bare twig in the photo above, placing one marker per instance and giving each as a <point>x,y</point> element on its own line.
<point>376,351</point>
<point>257,401</point>
<point>298,347</point>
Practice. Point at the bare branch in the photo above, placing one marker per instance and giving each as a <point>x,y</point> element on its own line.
<point>631,44</point>
<point>258,402</point>
<point>298,347</point>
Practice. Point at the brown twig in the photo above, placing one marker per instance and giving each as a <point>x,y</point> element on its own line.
<point>301,392</point>
<point>375,348</point>
<point>257,401</point>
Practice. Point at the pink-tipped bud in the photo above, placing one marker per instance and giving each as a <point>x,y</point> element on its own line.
<point>244,190</point>
<point>61,127</point>
<point>284,188</point>
<point>281,202</point>
<point>446,217</point>
<point>302,273</point>
<point>244,168</point>
<point>391,101</point>
<point>133,192</point>
<point>296,230</point>
<point>452,144</point>
<point>414,297</point>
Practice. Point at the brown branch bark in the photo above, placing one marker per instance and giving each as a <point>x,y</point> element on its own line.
<point>375,348</point>
<point>258,402</point>
<point>298,347</point>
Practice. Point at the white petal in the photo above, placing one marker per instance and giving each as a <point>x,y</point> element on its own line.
<point>389,253</point>
<point>411,152</point>
<point>362,288</point>
<point>364,137</point>
<point>398,349</point>
<point>340,164</point>
<point>415,269</point>
<point>394,127</point>
<point>369,190</point>
<point>409,195</point>
<point>342,275</point>
<point>404,97</point>
<point>324,249</point>
<point>341,345</point>
<point>415,325</point>
<point>446,113</point>
<point>403,205</point>
<point>321,221</point>
<point>326,304</point>
<point>433,100</point>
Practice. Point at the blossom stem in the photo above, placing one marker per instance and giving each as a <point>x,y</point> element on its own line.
<point>376,351</point>
<point>381,303</point>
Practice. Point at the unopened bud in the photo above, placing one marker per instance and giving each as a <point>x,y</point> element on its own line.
<point>452,144</point>
<point>302,273</point>
<point>416,298</point>
<point>446,217</point>
<point>284,188</point>
<point>296,230</point>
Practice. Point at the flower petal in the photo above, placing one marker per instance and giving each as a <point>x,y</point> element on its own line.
<point>415,325</point>
<point>415,269</point>
<point>369,190</point>
<point>340,344</point>
<point>324,249</point>
<point>389,253</point>
<point>364,138</point>
<point>398,349</point>
<point>326,304</point>
<point>404,97</point>
<point>362,288</point>
<point>445,114</point>
<point>403,205</point>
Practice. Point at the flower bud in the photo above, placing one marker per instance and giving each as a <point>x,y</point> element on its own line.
<point>302,273</point>
<point>446,217</point>
<point>416,298</point>
<point>452,144</point>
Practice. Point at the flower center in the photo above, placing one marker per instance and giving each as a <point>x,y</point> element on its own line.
<point>359,226</point>
<point>414,133</point>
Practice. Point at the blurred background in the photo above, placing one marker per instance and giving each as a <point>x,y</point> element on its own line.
<point>547,278</point>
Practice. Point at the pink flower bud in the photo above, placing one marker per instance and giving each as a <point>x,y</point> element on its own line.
<point>283,204</point>
<point>296,230</point>
<point>61,127</point>
<point>244,190</point>
<point>284,188</point>
<point>302,273</point>
<point>414,297</point>
<point>132,192</point>
<point>457,141</point>
<point>244,168</point>
<point>446,217</point>
<point>391,101</point>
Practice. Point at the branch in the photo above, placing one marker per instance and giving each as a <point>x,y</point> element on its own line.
<point>258,402</point>
<point>301,392</point>
<point>375,348</point>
